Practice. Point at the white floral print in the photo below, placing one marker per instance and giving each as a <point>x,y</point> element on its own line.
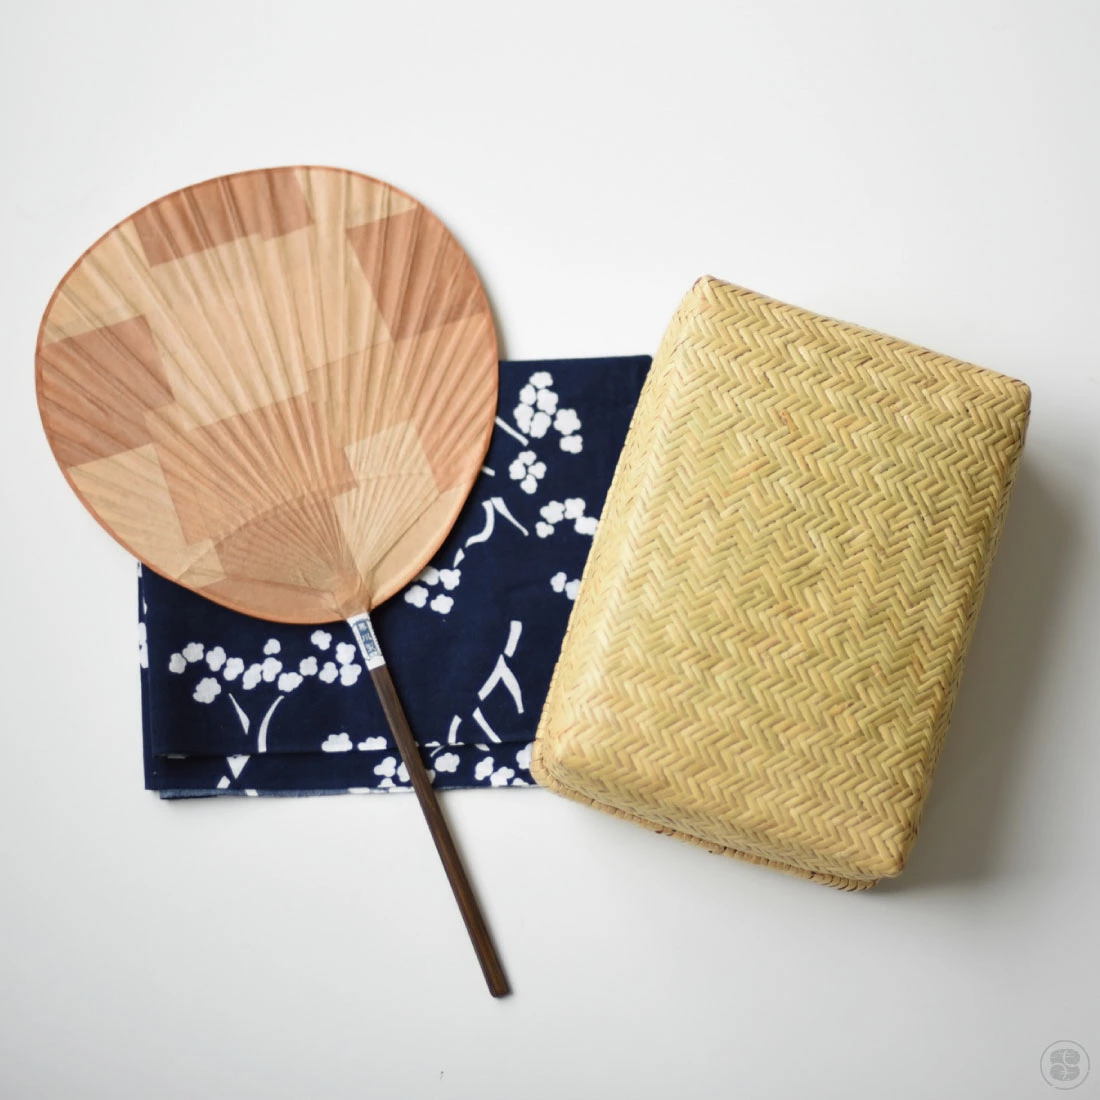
<point>527,470</point>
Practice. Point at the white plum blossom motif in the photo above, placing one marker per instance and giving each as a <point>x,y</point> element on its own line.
<point>559,583</point>
<point>527,470</point>
<point>537,405</point>
<point>571,509</point>
<point>523,758</point>
<point>288,681</point>
<point>371,743</point>
<point>552,514</point>
<point>446,762</point>
<point>417,595</point>
<point>270,671</point>
<point>582,524</point>
<point>143,646</point>
<point>538,410</point>
<point>206,690</point>
<point>567,422</point>
<point>483,769</point>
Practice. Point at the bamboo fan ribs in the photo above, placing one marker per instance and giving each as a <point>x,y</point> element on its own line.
<point>277,388</point>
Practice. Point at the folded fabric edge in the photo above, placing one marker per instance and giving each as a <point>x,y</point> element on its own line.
<point>503,765</point>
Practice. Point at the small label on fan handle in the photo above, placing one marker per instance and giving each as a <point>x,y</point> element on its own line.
<point>363,630</point>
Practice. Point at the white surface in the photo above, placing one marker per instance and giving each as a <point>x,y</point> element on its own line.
<point>930,170</point>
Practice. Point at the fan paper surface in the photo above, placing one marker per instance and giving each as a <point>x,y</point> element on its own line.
<point>275,388</point>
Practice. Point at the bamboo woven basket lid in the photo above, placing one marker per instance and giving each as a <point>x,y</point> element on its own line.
<point>772,624</point>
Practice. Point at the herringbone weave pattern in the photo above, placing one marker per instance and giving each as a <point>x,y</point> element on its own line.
<point>771,627</point>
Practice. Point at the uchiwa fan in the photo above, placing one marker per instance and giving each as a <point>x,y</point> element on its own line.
<point>277,389</point>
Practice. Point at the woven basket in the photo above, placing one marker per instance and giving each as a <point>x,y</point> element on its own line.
<point>772,624</point>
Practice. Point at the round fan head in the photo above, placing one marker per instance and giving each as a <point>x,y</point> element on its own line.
<point>275,387</point>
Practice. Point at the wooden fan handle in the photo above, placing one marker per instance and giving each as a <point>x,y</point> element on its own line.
<point>429,805</point>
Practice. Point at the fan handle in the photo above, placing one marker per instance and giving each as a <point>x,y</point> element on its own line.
<point>437,824</point>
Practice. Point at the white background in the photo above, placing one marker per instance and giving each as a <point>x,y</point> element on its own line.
<point>930,170</point>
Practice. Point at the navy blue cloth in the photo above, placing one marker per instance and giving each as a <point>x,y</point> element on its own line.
<point>236,705</point>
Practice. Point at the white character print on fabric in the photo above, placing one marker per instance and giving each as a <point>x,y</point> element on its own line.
<point>247,677</point>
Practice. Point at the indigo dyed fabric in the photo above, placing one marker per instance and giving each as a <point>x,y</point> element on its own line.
<point>236,705</point>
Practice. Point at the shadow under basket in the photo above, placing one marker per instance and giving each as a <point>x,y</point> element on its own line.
<point>772,624</point>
